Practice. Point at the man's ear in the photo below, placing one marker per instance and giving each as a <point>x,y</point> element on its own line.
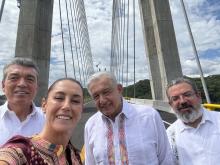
<point>169,102</point>
<point>3,86</point>
<point>198,94</point>
<point>120,88</point>
<point>43,105</point>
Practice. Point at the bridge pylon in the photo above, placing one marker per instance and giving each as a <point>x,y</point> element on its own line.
<point>34,38</point>
<point>160,43</point>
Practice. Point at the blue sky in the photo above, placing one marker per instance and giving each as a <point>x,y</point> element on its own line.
<point>204,17</point>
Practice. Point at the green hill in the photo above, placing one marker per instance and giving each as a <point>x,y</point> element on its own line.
<point>143,90</point>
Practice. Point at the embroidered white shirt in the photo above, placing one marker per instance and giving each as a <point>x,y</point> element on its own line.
<point>10,124</point>
<point>197,146</point>
<point>146,139</point>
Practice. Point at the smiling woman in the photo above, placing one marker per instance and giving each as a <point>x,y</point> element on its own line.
<point>62,106</point>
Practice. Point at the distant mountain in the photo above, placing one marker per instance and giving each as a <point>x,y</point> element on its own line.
<point>143,90</point>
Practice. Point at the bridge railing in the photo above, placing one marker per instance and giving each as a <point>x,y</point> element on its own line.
<point>157,104</point>
<point>215,107</point>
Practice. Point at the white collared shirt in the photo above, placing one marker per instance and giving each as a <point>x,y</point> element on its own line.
<point>145,135</point>
<point>197,146</point>
<point>10,124</point>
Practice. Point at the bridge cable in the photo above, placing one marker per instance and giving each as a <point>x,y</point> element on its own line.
<point>113,53</point>
<point>120,37</point>
<point>2,8</point>
<point>85,39</point>
<point>61,27</point>
<point>195,53</point>
<point>134,43</point>
<point>88,42</point>
<point>70,39</point>
<point>79,32</point>
<point>123,42</point>
<point>127,49</point>
<point>120,27</point>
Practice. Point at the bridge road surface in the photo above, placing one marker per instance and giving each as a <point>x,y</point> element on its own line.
<point>78,139</point>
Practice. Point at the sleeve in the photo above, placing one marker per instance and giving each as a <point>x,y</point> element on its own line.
<point>163,146</point>
<point>13,156</point>
<point>89,157</point>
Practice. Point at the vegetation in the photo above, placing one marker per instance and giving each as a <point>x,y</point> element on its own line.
<point>87,97</point>
<point>143,90</point>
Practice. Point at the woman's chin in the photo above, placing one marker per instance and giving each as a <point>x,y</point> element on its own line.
<point>63,129</point>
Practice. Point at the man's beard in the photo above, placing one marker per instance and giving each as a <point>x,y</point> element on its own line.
<point>190,116</point>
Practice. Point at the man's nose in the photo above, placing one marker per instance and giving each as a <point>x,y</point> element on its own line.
<point>182,99</point>
<point>22,82</point>
<point>102,99</point>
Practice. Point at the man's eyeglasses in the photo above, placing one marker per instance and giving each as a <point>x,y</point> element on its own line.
<point>186,95</point>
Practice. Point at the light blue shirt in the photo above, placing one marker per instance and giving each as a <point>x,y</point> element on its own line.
<point>146,139</point>
<point>197,146</point>
<point>10,124</point>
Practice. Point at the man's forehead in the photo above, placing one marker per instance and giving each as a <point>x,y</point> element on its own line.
<point>17,68</point>
<point>100,88</point>
<point>180,87</point>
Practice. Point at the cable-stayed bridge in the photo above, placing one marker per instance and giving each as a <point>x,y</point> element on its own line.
<point>34,40</point>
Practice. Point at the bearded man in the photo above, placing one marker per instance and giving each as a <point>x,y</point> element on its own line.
<point>194,136</point>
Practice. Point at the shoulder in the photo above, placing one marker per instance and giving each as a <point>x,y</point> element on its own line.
<point>38,110</point>
<point>143,110</point>
<point>214,116</point>
<point>39,114</point>
<point>142,115</point>
<point>12,151</point>
<point>3,109</point>
<point>93,120</point>
<point>17,141</point>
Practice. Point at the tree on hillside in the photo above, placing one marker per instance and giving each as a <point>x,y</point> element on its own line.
<point>143,90</point>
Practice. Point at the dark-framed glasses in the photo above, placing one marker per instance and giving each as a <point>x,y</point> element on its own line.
<point>186,95</point>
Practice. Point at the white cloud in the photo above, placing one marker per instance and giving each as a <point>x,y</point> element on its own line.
<point>205,26</point>
<point>204,19</point>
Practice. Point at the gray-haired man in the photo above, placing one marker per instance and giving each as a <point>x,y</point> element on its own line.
<point>194,137</point>
<point>19,115</point>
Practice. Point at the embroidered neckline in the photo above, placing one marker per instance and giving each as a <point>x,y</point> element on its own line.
<point>55,148</point>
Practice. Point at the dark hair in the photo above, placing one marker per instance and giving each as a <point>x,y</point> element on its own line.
<point>182,80</point>
<point>26,62</point>
<point>62,79</point>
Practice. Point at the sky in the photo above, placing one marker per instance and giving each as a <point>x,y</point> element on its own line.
<point>204,17</point>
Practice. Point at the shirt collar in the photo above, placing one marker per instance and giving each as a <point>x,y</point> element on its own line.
<point>206,116</point>
<point>5,109</point>
<point>126,110</point>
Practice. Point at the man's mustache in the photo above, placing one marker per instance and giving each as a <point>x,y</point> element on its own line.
<point>183,106</point>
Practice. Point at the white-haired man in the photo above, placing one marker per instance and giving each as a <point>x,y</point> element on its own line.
<point>121,133</point>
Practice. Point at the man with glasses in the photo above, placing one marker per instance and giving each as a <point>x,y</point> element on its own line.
<point>195,136</point>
